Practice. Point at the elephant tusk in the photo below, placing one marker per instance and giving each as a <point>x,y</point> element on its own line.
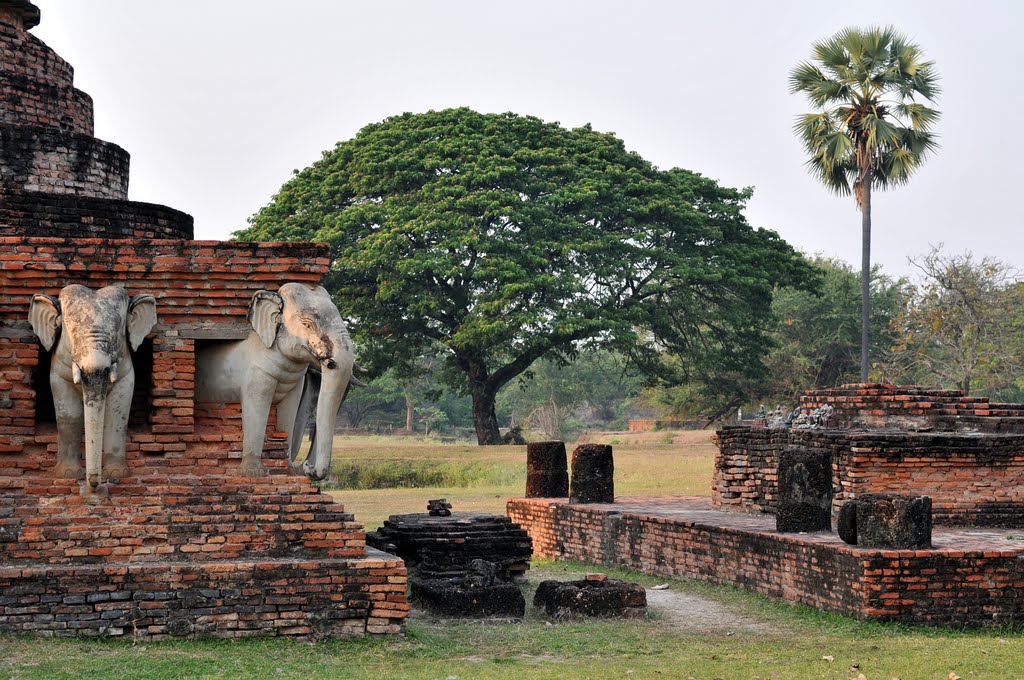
<point>359,369</point>
<point>356,382</point>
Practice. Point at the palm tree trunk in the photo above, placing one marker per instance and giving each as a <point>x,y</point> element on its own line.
<point>865,274</point>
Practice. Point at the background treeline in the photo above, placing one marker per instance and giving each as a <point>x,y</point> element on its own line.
<point>956,323</point>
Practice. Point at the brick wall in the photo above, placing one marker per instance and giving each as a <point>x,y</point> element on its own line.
<point>69,216</point>
<point>28,102</point>
<point>25,54</point>
<point>975,585</point>
<point>305,598</point>
<point>973,479</point>
<point>44,159</point>
<point>876,405</point>
<point>37,86</point>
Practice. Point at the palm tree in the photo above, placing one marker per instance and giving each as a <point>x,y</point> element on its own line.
<point>870,130</point>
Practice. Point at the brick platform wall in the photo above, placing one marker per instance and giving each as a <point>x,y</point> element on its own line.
<point>875,405</point>
<point>950,587</point>
<point>44,159</point>
<point>156,601</point>
<point>68,216</point>
<point>973,479</point>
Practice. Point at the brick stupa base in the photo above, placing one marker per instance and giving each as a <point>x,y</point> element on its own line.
<point>970,577</point>
<point>185,547</point>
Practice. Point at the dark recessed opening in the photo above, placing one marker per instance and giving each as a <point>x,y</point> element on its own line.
<point>45,412</point>
<point>142,397</point>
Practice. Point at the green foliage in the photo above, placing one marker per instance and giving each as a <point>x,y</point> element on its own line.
<point>501,239</point>
<point>399,474</point>
<point>549,394</point>
<point>818,334</point>
<point>959,327</point>
<point>869,125</point>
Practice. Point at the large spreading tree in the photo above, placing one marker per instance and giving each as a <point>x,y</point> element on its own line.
<point>872,129</point>
<point>501,239</point>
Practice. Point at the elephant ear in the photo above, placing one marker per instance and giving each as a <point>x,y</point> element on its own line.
<point>265,315</point>
<point>44,316</point>
<point>141,319</point>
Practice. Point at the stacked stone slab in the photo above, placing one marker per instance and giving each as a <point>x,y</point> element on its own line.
<point>184,545</point>
<point>461,564</point>
<point>442,547</point>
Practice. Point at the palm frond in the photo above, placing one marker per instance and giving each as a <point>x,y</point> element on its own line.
<point>918,115</point>
<point>866,85</point>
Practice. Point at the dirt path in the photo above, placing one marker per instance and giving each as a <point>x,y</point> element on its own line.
<point>690,613</point>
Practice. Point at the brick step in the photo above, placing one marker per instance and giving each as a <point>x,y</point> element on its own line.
<point>265,596</point>
<point>198,519</point>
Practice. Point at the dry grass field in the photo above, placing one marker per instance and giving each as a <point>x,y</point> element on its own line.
<point>481,478</point>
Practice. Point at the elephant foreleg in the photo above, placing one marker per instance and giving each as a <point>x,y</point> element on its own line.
<point>287,415</point>
<point>67,401</point>
<point>256,402</point>
<point>115,427</point>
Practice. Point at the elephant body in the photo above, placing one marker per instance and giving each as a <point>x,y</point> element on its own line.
<point>293,330</point>
<point>91,373</point>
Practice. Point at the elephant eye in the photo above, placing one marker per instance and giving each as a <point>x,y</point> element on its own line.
<point>307,323</point>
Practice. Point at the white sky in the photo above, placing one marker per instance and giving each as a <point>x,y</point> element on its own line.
<point>219,100</point>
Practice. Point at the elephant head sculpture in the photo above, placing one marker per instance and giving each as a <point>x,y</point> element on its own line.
<point>294,329</point>
<point>91,373</point>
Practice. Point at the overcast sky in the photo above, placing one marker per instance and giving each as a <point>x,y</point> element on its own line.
<point>219,100</point>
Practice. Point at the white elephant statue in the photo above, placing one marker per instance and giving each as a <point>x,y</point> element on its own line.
<point>293,329</point>
<point>91,374</point>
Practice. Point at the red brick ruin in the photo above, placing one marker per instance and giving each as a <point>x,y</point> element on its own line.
<point>964,453</point>
<point>185,545</point>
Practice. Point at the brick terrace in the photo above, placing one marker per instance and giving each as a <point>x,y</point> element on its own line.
<point>972,576</point>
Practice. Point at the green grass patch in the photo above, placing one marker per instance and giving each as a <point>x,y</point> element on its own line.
<point>805,644</point>
<point>408,474</point>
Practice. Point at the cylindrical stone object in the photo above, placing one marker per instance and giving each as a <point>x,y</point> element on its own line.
<point>846,525</point>
<point>592,474</point>
<point>547,474</point>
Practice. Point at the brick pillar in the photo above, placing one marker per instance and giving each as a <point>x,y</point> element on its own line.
<point>592,474</point>
<point>547,475</point>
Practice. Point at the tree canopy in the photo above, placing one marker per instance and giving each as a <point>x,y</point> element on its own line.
<point>871,129</point>
<point>499,239</point>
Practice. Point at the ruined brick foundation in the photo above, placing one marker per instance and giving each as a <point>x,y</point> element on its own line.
<point>968,578</point>
<point>964,453</point>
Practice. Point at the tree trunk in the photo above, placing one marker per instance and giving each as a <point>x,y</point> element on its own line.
<point>485,420</point>
<point>409,410</point>
<point>865,275</point>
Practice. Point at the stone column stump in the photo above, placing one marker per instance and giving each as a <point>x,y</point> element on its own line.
<point>547,475</point>
<point>889,521</point>
<point>592,474</point>
<point>805,491</point>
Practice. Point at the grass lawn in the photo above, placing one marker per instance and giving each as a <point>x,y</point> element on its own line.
<point>788,642</point>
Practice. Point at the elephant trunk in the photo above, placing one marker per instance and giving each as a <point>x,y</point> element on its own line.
<point>95,397</point>
<point>334,383</point>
